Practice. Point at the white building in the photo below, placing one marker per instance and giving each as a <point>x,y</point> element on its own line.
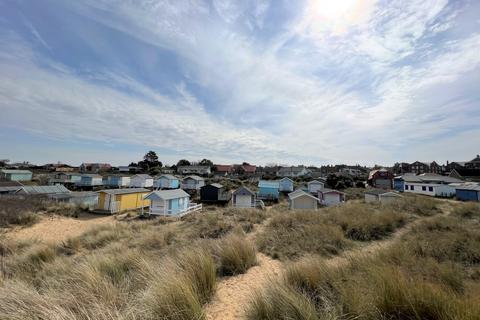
<point>430,184</point>
<point>193,183</point>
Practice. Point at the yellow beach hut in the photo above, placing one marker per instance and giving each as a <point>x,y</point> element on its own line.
<point>117,200</point>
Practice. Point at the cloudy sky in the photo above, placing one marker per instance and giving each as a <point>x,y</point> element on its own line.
<point>313,81</point>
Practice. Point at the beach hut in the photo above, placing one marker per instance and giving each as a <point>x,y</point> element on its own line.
<point>314,186</point>
<point>243,198</point>
<point>330,197</point>
<point>117,200</point>
<point>381,195</point>
<point>175,202</point>
<point>117,181</point>
<point>285,185</point>
<point>141,181</point>
<point>268,190</point>
<point>300,199</point>
<point>193,183</point>
<point>166,181</point>
<point>468,192</point>
<point>16,175</point>
<point>89,180</point>
<point>214,192</point>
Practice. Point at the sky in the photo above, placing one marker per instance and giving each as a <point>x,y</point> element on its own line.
<point>264,81</point>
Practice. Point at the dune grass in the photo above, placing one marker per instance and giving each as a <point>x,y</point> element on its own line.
<point>400,282</point>
<point>236,255</point>
<point>128,270</point>
<point>329,231</point>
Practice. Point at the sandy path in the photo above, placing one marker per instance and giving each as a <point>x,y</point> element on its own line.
<point>233,294</point>
<point>57,228</point>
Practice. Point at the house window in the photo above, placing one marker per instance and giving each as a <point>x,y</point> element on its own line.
<point>406,187</point>
<point>424,188</point>
<point>411,188</point>
<point>430,188</point>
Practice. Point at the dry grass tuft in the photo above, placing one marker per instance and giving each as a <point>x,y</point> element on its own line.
<point>236,255</point>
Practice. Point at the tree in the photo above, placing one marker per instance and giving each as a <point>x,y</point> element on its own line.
<point>150,160</point>
<point>183,162</point>
<point>206,162</point>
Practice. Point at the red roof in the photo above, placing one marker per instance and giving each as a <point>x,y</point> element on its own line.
<point>249,168</point>
<point>224,168</point>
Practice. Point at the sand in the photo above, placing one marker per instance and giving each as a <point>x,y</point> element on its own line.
<point>54,229</point>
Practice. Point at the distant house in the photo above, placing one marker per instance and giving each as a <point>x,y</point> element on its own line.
<point>141,181</point>
<point>214,192</point>
<point>89,180</point>
<point>293,172</point>
<point>42,190</point>
<point>285,185</point>
<point>117,200</point>
<point>466,174</point>
<point>117,181</point>
<point>175,202</point>
<point>419,167</point>
<point>314,186</point>
<point>166,181</point>
<point>243,198</point>
<point>468,192</point>
<point>222,170</point>
<point>193,183</point>
<point>249,169</point>
<point>473,164</point>
<point>94,167</point>
<point>86,199</point>
<point>126,169</point>
<point>16,175</point>
<point>330,197</point>
<point>430,184</point>
<point>268,190</point>
<point>195,170</point>
<point>300,199</point>
<point>381,178</point>
<point>381,195</point>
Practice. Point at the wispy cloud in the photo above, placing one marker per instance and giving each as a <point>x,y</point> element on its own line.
<point>313,82</point>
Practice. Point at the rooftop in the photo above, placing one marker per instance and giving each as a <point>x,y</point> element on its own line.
<point>124,191</point>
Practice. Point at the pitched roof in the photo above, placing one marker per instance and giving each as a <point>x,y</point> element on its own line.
<point>143,176</point>
<point>216,185</point>
<point>168,176</point>
<point>314,181</point>
<point>10,189</point>
<point>468,172</point>
<point>244,188</point>
<point>194,177</point>
<point>167,194</point>
<point>430,177</point>
<point>44,189</point>
<point>124,190</point>
<point>469,186</point>
<point>16,171</point>
<point>223,167</point>
<point>268,184</point>
<point>249,168</point>
<point>300,193</point>
<point>327,190</point>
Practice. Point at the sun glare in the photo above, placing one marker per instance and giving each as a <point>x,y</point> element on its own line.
<point>338,16</point>
<point>334,9</point>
